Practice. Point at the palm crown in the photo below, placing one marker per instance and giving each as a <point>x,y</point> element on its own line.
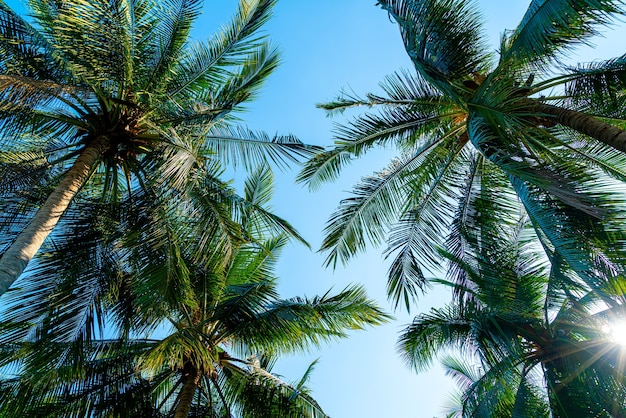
<point>102,97</point>
<point>213,318</point>
<point>469,128</point>
<point>536,334</point>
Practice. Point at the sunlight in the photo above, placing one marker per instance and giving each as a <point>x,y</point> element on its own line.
<point>616,332</point>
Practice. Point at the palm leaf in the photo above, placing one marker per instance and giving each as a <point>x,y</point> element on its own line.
<point>24,50</point>
<point>259,393</point>
<point>376,202</point>
<point>551,28</point>
<point>442,37</point>
<point>76,30</point>
<point>171,23</point>
<point>596,87</point>
<point>298,323</point>
<point>221,97</point>
<point>417,237</point>
<point>247,148</point>
<point>431,332</point>
<point>209,62</point>
<point>411,110</point>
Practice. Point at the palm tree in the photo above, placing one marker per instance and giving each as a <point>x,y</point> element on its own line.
<point>537,334</point>
<point>167,376</point>
<point>214,319</point>
<point>101,97</point>
<point>468,126</point>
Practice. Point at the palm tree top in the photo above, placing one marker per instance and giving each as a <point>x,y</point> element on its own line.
<point>476,133</point>
<point>214,318</point>
<point>100,97</point>
<point>531,337</point>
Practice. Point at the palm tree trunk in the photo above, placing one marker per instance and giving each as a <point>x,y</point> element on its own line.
<point>191,377</point>
<point>585,124</point>
<point>28,242</point>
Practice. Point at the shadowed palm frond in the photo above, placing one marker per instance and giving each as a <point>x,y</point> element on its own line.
<point>442,38</point>
<point>259,393</point>
<point>550,29</point>
<point>596,87</point>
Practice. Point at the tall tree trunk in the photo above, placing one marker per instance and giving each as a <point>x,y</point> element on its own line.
<point>28,242</point>
<point>585,124</point>
<point>191,377</point>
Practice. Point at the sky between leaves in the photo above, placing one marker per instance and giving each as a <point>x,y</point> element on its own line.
<point>327,46</point>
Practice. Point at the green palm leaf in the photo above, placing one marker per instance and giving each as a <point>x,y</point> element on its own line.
<point>310,322</point>
<point>443,39</point>
<point>248,148</point>
<point>550,29</point>
<point>25,51</point>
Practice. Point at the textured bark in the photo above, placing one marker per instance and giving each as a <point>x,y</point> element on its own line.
<point>585,124</point>
<point>28,242</point>
<point>191,377</point>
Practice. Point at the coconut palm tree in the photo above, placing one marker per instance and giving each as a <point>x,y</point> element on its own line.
<point>166,377</point>
<point>538,337</point>
<point>213,319</point>
<point>465,112</point>
<point>101,97</point>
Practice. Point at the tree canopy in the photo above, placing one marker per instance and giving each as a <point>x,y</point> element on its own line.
<point>98,98</point>
<point>477,130</point>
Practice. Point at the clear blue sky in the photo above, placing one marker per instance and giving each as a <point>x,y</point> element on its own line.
<point>329,45</point>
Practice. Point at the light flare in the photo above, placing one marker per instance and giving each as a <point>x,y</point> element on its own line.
<point>616,332</point>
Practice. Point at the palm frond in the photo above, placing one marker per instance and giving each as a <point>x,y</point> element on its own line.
<point>580,256</point>
<point>212,219</point>
<point>22,94</point>
<point>550,29</point>
<point>597,87</point>
<point>529,400</point>
<point>107,383</point>
<point>417,237</point>
<point>259,393</point>
<point>212,61</point>
<point>299,323</point>
<point>170,24</point>
<point>377,201</point>
<point>402,88</point>
<point>186,344</point>
<point>255,263</point>
<point>24,51</point>
<point>582,377</point>
<point>429,333</point>
<point>324,167</point>
<point>408,115</point>
<point>64,304</point>
<point>442,37</point>
<point>464,219</point>
<point>77,30</point>
<point>238,146</point>
<point>218,100</point>
<point>21,170</point>
<point>255,215</point>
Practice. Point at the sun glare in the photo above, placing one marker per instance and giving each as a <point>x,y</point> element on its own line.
<point>616,332</point>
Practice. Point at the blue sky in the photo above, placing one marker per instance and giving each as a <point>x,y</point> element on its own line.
<point>327,46</point>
